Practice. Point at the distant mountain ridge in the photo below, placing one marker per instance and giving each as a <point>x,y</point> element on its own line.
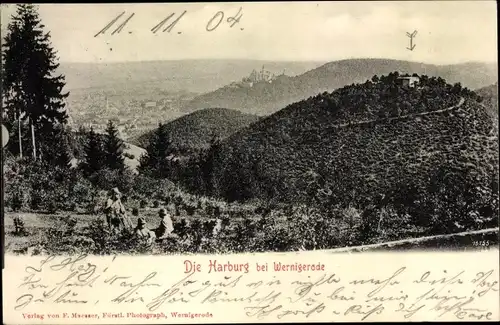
<point>197,76</point>
<point>266,98</point>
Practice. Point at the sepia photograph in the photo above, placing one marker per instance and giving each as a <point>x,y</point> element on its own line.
<point>250,162</point>
<point>146,134</point>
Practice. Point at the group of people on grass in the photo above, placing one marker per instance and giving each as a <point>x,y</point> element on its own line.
<point>118,220</point>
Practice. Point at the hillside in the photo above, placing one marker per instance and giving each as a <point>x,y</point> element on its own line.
<point>265,98</point>
<point>364,141</point>
<point>490,99</point>
<point>195,130</point>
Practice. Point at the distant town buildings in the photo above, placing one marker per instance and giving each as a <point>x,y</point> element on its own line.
<point>132,115</point>
<point>110,109</point>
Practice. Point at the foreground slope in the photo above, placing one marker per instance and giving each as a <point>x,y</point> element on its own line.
<point>363,141</point>
<point>265,98</point>
<point>195,130</point>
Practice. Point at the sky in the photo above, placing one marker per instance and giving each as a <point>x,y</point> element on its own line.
<point>447,31</point>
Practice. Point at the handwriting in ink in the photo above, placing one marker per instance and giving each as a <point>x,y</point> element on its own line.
<point>212,24</point>
<point>316,309</point>
<point>108,26</point>
<point>366,311</point>
<point>304,287</point>
<point>119,29</point>
<point>217,19</point>
<point>409,311</point>
<point>111,23</point>
<point>169,295</point>
<point>32,284</point>
<point>380,284</point>
<point>134,288</point>
<point>261,311</point>
<point>30,269</point>
<point>443,280</point>
<point>62,280</point>
<point>170,26</point>
<point>25,300</point>
<point>71,262</point>
<point>484,281</point>
<point>64,298</point>
<point>457,308</point>
<point>411,36</point>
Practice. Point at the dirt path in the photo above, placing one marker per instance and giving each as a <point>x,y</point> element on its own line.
<point>412,240</point>
<point>460,103</point>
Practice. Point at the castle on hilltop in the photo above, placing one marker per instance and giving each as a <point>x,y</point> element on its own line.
<point>255,77</point>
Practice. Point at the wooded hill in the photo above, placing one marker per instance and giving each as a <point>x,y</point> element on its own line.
<point>195,130</point>
<point>369,142</point>
<point>266,98</point>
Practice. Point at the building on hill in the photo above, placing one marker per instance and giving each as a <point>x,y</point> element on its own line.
<point>408,81</point>
<point>255,77</point>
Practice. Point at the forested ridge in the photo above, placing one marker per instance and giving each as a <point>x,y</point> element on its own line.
<point>266,98</point>
<point>419,143</point>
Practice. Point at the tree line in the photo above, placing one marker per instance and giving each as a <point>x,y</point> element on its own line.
<point>34,102</point>
<point>33,98</point>
<point>194,171</point>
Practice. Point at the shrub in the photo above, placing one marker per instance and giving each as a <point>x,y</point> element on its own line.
<point>106,179</point>
<point>19,228</point>
<point>48,188</point>
<point>16,200</point>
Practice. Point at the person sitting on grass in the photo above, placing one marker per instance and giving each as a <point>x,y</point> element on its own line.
<point>141,232</point>
<point>166,226</point>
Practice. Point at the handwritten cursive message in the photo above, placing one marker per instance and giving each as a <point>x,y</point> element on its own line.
<point>97,289</point>
<point>117,24</point>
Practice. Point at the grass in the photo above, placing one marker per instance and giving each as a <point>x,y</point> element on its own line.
<point>38,224</point>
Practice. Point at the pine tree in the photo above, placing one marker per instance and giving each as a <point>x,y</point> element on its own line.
<point>156,161</point>
<point>57,146</point>
<point>208,164</point>
<point>113,148</point>
<point>32,90</point>
<point>94,153</point>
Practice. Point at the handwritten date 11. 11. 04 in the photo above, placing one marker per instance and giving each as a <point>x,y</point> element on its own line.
<point>170,21</point>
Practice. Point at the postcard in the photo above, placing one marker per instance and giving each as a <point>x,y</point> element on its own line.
<point>250,162</point>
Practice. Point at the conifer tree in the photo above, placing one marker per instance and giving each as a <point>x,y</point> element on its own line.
<point>113,148</point>
<point>208,164</point>
<point>94,153</point>
<point>31,88</point>
<point>57,146</point>
<point>155,162</point>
